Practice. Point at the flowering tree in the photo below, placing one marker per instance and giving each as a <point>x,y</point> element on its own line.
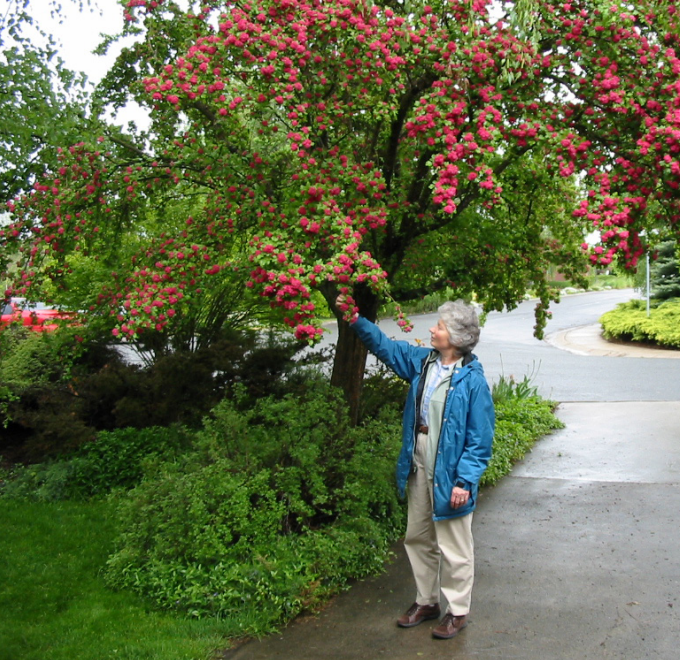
<point>384,148</point>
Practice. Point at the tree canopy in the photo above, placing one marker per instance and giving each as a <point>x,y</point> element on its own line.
<point>376,148</point>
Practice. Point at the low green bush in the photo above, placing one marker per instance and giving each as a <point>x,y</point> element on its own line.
<point>42,482</point>
<point>629,322</point>
<point>115,459</point>
<point>281,504</point>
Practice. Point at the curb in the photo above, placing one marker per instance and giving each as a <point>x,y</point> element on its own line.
<point>588,340</point>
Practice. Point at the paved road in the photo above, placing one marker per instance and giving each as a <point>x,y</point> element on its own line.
<point>507,347</point>
<point>578,550</point>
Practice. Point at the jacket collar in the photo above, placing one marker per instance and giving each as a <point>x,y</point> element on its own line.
<point>468,358</point>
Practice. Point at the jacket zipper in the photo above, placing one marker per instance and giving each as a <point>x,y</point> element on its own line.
<point>416,416</point>
<point>439,437</point>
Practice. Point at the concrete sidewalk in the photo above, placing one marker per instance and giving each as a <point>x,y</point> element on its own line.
<point>577,555</point>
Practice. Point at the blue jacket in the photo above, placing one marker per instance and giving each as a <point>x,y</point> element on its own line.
<point>464,447</point>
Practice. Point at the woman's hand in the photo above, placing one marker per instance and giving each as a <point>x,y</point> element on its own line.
<point>344,304</point>
<point>459,497</point>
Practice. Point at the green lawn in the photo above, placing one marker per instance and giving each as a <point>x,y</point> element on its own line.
<point>55,604</point>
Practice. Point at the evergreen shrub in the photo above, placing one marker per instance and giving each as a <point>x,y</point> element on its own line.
<point>629,322</point>
<point>57,393</point>
<point>665,273</point>
<point>382,394</point>
<point>39,392</point>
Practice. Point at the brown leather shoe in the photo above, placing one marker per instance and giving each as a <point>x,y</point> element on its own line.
<point>417,614</point>
<point>449,626</point>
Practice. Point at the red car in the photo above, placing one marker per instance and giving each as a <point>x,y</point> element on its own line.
<point>37,316</point>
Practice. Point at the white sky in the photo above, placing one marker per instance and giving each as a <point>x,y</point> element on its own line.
<point>78,33</point>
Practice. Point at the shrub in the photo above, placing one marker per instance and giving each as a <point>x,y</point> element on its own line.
<point>383,394</point>
<point>57,398</point>
<point>115,459</point>
<point>37,373</point>
<point>120,458</point>
<point>664,273</point>
<point>629,322</point>
<point>48,482</point>
<point>281,504</point>
<point>31,358</point>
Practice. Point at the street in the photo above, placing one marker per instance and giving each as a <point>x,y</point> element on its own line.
<point>508,348</point>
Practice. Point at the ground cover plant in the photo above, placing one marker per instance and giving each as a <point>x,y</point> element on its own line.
<point>629,322</point>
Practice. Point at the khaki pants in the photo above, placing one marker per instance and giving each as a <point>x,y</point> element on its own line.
<point>441,553</point>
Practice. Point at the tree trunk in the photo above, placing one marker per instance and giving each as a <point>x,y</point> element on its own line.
<point>350,353</point>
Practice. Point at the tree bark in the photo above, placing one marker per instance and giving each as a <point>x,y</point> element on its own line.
<point>350,354</point>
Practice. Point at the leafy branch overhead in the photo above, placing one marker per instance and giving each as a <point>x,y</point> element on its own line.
<point>42,104</point>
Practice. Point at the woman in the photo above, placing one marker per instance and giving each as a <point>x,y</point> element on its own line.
<point>448,427</point>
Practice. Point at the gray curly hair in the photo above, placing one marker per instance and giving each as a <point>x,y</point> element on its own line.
<point>462,322</point>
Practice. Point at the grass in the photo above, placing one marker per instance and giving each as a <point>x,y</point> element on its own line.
<point>55,604</point>
<point>597,282</point>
